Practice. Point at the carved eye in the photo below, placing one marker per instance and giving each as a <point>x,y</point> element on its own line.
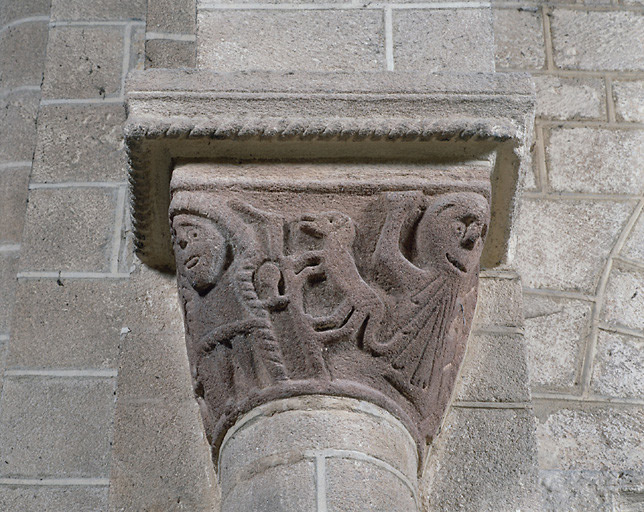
<point>183,244</point>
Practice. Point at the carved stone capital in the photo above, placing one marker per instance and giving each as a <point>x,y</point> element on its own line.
<point>319,290</point>
<point>327,230</point>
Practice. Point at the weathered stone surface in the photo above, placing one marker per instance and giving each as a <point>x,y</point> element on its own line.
<point>346,40</point>
<point>259,492</point>
<point>570,98</point>
<point>14,10</point>
<point>56,427</point>
<point>518,38</point>
<point>434,40</point>
<point>330,434</point>
<point>22,54</point>
<point>66,324</point>
<point>590,437</point>
<point>13,203</point>
<point>137,49</point>
<point>301,425</point>
<point>73,10</point>
<point>619,366</point>
<point>556,334</point>
<point>494,370</point>
<point>154,366</point>
<point>294,289</point>
<point>80,143</point>
<point>563,243</point>
<point>160,459</point>
<point>84,62</point>
<point>624,298</point>
<point>634,246</point>
<point>18,126</point>
<point>576,490</point>
<point>171,16</point>
<point>8,282</point>
<point>499,302</point>
<point>165,53</point>
<point>484,458</point>
<point>69,229</point>
<point>362,486</point>
<point>51,499</point>
<point>629,100</point>
<point>596,160</point>
<point>596,40</point>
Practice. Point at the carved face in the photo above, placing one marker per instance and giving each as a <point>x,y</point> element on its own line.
<point>200,250</point>
<point>451,233</point>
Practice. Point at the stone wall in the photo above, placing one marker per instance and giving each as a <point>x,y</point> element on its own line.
<point>581,240</point>
<point>96,411</point>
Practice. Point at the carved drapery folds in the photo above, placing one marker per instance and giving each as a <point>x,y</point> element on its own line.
<point>368,296</point>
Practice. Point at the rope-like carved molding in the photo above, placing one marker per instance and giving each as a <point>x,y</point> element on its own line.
<point>322,129</point>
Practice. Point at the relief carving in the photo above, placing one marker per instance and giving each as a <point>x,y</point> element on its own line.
<point>286,299</point>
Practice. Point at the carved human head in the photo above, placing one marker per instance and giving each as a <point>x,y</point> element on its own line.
<point>200,250</point>
<point>451,232</point>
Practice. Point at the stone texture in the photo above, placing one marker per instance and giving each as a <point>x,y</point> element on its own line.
<point>361,486</point>
<point>84,62</point>
<point>518,38</point>
<point>563,243</point>
<point>596,160</point>
<point>261,494</point>
<point>171,16</point>
<point>302,424</point>
<point>165,53</point>
<point>624,298</point>
<point>619,366</point>
<point>80,143</point>
<point>56,427</point>
<point>596,40</point>
<point>494,370</point>
<point>483,458</point>
<point>51,499</point>
<point>18,126</point>
<point>570,98</point>
<point>629,101</point>
<point>154,366</point>
<point>556,334</point>
<point>14,10</point>
<point>441,40</point>
<point>137,48</point>
<point>97,323</point>
<point>8,282</point>
<point>70,229</point>
<point>22,54</point>
<point>13,203</point>
<point>67,324</point>
<point>576,490</point>
<point>74,10</point>
<point>634,246</point>
<point>499,302</point>
<point>160,459</point>
<point>347,40</point>
<point>590,438</point>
